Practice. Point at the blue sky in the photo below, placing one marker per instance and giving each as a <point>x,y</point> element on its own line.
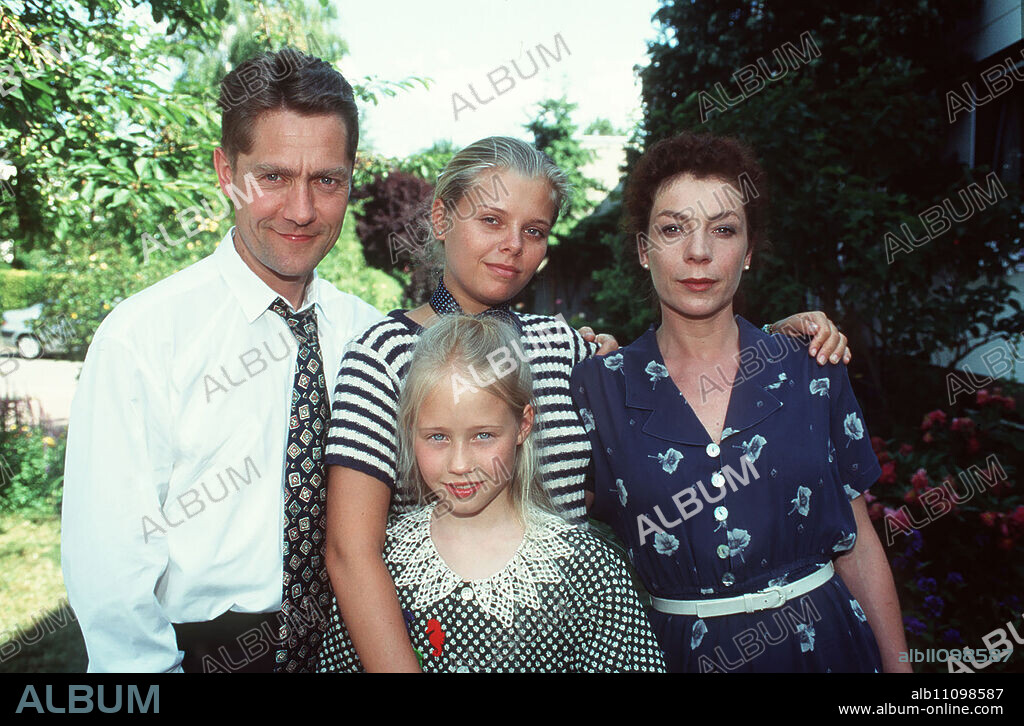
<point>458,42</point>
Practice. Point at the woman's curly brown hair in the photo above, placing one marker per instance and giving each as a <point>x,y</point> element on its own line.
<point>703,156</point>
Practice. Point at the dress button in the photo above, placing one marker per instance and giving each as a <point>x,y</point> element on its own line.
<point>467,593</point>
<point>728,579</point>
<point>713,450</point>
<point>718,479</point>
<point>723,551</point>
<point>721,513</point>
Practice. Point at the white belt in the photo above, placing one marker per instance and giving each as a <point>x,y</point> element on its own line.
<point>770,597</point>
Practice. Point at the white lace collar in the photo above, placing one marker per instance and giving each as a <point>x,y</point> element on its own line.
<point>431,580</point>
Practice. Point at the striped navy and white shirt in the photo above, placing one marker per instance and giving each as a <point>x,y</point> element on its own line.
<point>364,411</point>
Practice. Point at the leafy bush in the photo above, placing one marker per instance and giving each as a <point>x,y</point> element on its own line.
<point>345,267</point>
<point>21,288</point>
<point>31,464</point>
<point>395,204</point>
<point>949,506</point>
<point>93,281</point>
<point>392,228</point>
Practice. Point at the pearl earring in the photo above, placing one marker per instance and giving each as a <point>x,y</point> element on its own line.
<point>746,267</point>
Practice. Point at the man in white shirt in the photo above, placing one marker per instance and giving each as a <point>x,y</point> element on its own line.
<point>176,478</point>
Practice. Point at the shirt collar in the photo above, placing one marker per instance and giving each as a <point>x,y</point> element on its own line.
<point>648,384</point>
<point>252,293</point>
<point>443,302</point>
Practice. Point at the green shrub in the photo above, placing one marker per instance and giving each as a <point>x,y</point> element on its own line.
<point>91,283</point>
<point>345,267</point>
<point>21,288</point>
<point>31,467</point>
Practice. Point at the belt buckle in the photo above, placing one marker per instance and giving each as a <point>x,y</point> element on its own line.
<point>751,602</point>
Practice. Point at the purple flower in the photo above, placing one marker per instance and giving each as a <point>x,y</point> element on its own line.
<point>915,541</point>
<point>926,584</point>
<point>914,626</point>
<point>955,578</point>
<point>1011,603</point>
<point>900,562</point>
<point>934,605</point>
<point>951,636</point>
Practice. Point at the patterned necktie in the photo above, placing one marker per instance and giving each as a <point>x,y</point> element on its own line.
<point>305,497</point>
<point>442,302</point>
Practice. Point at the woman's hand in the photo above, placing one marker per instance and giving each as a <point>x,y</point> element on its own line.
<point>606,341</point>
<point>827,342</point>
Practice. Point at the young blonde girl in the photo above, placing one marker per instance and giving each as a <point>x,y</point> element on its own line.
<point>489,578</point>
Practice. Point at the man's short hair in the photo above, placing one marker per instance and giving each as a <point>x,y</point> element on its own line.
<point>287,79</point>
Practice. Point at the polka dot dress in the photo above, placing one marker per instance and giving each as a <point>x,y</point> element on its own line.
<point>563,603</point>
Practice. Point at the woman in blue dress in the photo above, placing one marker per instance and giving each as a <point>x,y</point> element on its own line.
<point>731,465</point>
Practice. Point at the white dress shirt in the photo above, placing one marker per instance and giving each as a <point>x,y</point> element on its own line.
<point>174,478</point>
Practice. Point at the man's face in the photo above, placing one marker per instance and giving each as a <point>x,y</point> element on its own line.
<point>290,193</point>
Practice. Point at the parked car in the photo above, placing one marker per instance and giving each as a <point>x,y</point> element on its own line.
<point>19,331</point>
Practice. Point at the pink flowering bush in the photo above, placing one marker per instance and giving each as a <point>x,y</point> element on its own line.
<point>949,509</point>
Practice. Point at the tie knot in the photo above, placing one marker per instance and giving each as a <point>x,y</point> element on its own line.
<point>303,325</point>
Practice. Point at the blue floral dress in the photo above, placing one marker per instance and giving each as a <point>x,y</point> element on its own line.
<point>767,506</point>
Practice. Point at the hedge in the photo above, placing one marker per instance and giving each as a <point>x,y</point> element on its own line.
<point>21,288</point>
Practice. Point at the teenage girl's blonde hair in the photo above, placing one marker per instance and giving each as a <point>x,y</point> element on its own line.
<point>461,179</point>
<point>454,346</point>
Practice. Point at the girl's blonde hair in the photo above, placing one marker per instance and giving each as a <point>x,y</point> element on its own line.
<point>455,346</point>
<point>460,179</point>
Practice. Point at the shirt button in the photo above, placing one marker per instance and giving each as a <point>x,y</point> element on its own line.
<point>723,551</point>
<point>721,513</point>
<point>718,479</point>
<point>728,579</point>
<point>713,450</point>
<point>467,593</point>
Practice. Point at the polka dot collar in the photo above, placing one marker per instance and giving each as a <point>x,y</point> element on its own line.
<point>442,303</point>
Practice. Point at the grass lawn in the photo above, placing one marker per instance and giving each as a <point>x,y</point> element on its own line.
<point>38,631</point>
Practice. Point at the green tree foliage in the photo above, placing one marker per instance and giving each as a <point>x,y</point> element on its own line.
<point>107,118</point>
<point>855,143</point>
<point>345,267</point>
<point>95,142</point>
<point>425,164</point>
<point>102,152</point>
<point>555,134</point>
<point>250,29</point>
<point>602,127</point>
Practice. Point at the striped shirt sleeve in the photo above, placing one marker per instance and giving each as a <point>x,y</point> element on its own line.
<point>364,413</point>
<point>581,349</point>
